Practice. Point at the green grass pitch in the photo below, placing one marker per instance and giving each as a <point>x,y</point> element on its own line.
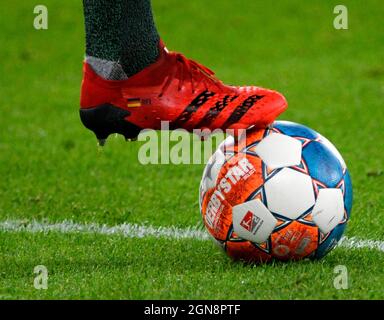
<point>51,169</point>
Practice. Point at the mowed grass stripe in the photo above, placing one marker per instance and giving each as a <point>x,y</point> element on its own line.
<point>143,231</point>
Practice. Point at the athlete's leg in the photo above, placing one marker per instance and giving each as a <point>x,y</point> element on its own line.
<point>132,82</point>
<point>121,37</point>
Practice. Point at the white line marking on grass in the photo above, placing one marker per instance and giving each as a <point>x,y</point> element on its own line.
<point>355,243</point>
<point>143,231</point>
<point>127,230</point>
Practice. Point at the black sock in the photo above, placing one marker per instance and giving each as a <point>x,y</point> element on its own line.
<point>121,36</point>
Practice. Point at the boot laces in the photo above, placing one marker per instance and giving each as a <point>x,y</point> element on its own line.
<point>188,69</point>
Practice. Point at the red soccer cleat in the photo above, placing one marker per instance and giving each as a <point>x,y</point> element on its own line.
<point>177,90</point>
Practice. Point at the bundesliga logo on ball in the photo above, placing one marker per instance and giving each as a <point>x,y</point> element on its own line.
<point>279,193</point>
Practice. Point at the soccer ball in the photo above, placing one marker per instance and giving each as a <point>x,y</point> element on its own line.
<point>279,193</point>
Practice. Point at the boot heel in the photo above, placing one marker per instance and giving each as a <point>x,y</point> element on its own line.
<point>107,119</point>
